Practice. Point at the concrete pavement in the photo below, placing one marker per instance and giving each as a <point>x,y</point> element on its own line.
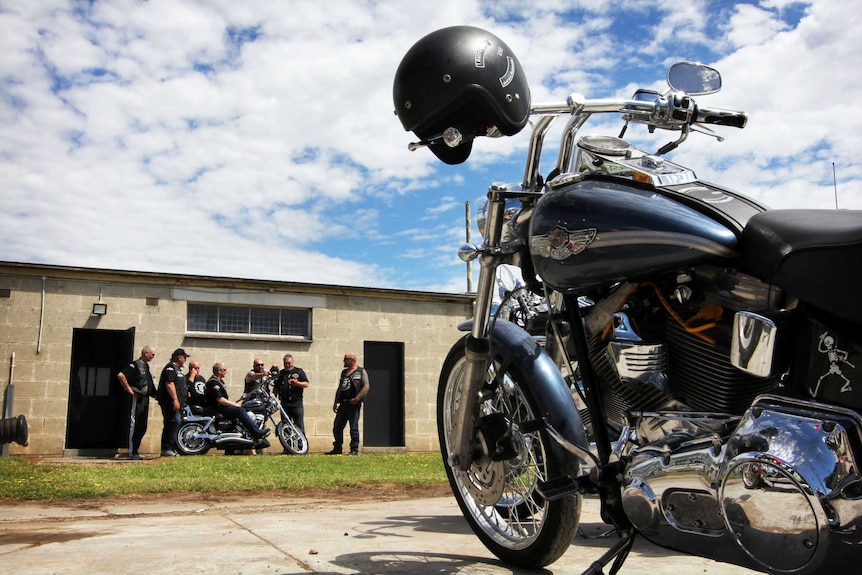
<point>267,535</point>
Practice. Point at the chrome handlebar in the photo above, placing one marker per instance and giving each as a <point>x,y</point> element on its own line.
<point>671,111</point>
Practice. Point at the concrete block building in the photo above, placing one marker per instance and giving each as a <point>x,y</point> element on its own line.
<point>65,333</point>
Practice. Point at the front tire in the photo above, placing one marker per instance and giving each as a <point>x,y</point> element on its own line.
<point>499,499</point>
<point>292,439</point>
<point>751,476</point>
<point>188,443</point>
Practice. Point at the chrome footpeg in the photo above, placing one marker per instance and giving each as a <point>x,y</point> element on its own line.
<point>558,488</point>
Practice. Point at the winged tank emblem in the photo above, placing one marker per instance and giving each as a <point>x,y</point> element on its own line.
<point>560,243</point>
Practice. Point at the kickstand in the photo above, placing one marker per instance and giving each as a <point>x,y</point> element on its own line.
<point>603,535</point>
<point>618,553</point>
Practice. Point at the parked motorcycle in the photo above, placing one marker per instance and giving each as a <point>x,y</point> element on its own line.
<point>291,437</point>
<point>204,428</point>
<point>712,344</point>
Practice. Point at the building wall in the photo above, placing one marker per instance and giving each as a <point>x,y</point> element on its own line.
<point>40,336</point>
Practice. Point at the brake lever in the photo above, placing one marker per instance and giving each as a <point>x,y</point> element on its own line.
<point>706,131</point>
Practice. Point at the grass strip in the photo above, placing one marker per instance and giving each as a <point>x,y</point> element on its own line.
<point>33,478</point>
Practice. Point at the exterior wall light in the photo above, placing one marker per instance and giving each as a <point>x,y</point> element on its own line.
<point>100,308</point>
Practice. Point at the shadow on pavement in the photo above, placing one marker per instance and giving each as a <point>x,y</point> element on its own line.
<point>451,524</point>
<point>424,564</point>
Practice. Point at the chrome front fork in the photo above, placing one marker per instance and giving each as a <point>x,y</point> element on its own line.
<point>477,343</point>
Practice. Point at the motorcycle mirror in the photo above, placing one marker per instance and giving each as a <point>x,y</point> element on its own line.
<point>693,78</point>
<point>509,277</point>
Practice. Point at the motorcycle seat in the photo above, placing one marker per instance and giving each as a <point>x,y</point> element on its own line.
<point>203,411</point>
<point>814,255</point>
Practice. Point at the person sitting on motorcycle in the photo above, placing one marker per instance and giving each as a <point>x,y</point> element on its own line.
<point>217,398</point>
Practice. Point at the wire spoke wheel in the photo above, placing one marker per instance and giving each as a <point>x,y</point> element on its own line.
<point>292,439</point>
<point>188,441</point>
<point>499,498</point>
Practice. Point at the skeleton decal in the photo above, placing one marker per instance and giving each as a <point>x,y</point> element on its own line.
<point>836,357</point>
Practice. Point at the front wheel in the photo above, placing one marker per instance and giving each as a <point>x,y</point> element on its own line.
<point>499,498</point>
<point>292,438</point>
<point>189,441</point>
<point>751,476</point>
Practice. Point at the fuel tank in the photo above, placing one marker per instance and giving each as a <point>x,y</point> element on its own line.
<point>599,230</point>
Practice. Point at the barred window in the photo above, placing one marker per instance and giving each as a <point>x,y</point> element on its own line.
<point>248,320</point>
<point>266,321</point>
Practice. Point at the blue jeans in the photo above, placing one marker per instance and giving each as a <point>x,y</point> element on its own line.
<point>243,416</point>
<point>346,413</point>
<point>297,414</point>
<point>139,409</point>
<point>172,425</point>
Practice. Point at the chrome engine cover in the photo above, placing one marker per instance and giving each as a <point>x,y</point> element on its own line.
<point>782,494</point>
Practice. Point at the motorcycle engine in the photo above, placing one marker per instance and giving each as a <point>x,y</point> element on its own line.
<point>700,372</point>
<point>671,341</point>
<point>780,493</point>
<point>225,425</point>
<point>716,465</point>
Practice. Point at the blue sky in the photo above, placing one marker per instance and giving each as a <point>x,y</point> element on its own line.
<point>257,139</point>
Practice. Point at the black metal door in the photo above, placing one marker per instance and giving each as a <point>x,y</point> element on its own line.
<point>96,417</point>
<point>383,413</point>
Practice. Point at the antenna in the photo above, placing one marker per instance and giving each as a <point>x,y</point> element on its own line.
<point>835,185</point>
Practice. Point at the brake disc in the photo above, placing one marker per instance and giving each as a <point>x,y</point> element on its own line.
<point>485,481</point>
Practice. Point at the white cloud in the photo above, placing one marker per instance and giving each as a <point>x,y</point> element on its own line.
<point>257,139</point>
<point>795,86</point>
<point>751,25</point>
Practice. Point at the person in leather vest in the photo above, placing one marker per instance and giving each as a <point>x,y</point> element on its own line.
<point>137,382</point>
<point>197,384</point>
<point>290,384</point>
<point>353,386</point>
<point>217,398</point>
<point>173,397</point>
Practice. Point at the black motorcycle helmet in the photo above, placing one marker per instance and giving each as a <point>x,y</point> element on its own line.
<point>465,78</point>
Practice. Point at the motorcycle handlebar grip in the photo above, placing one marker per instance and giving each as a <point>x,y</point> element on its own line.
<point>721,117</point>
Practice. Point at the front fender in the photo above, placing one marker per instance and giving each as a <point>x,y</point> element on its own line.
<point>512,345</point>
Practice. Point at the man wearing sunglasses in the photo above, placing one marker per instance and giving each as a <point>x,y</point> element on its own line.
<point>252,378</point>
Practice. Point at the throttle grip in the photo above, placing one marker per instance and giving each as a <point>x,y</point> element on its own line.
<point>721,117</point>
